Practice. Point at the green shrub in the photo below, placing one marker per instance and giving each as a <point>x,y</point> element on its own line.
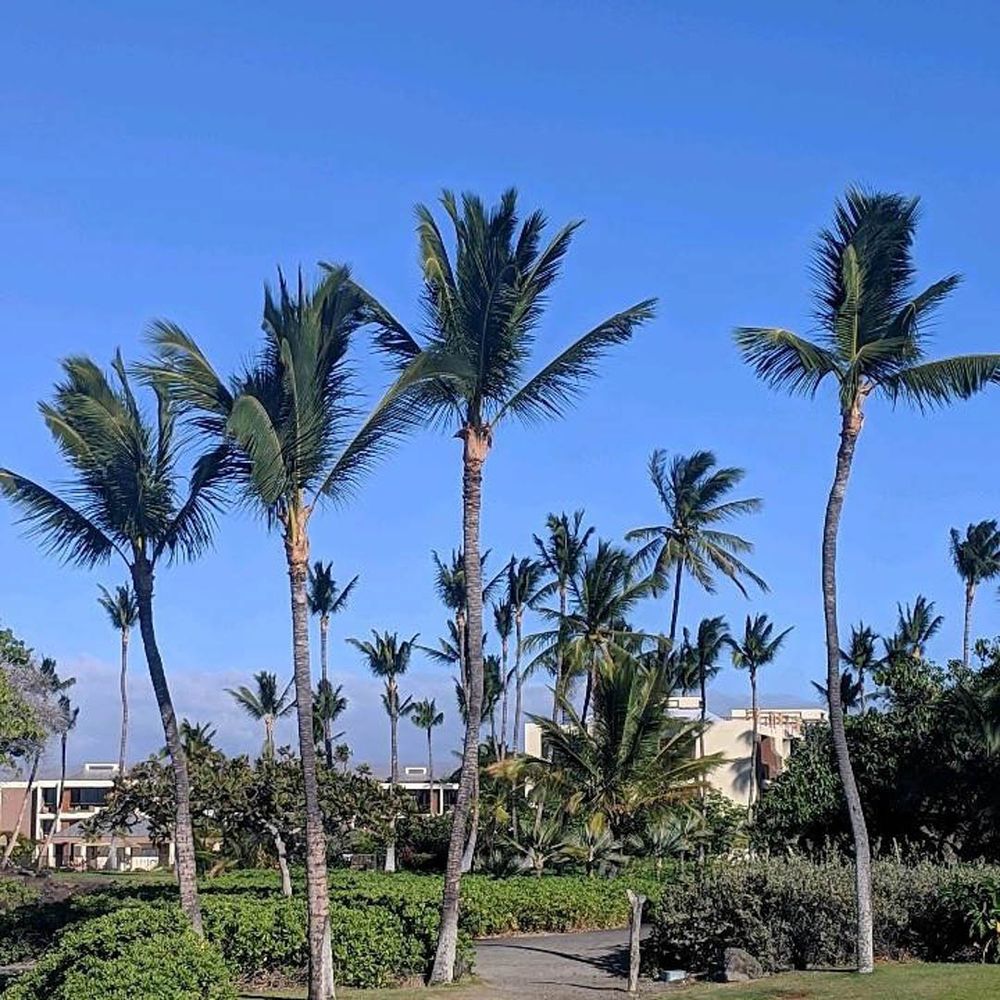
<point>14,893</point>
<point>139,951</point>
<point>794,913</point>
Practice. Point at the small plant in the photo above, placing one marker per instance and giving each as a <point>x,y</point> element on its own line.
<point>985,925</point>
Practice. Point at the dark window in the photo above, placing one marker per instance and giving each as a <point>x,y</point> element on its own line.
<point>87,797</point>
<point>49,797</point>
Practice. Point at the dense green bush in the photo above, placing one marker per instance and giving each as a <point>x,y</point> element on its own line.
<point>139,951</point>
<point>14,892</point>
<point>794,913</point>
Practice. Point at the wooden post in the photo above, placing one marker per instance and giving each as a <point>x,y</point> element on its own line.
<point>634,929</point>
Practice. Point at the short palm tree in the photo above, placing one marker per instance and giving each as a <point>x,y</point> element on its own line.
<point>387,657</point>
<point>289,426</point>
<point>329,703</point>
<point>123,614</point>
<point>694,493</point>
<point>756,648</point>
<point>916,625</point>
<point>977,559</point>
<point>850,690</point>
<point>266,702</point>
<point>524,590</point>
<point>700,658</point>
<point>860,659</point>
<point>325,600</point>
<point>483,301</point>
<point>69,715</point>
<point>128,498</point>
<point>424,715</point>
<point>561,553</point>
<point>874,334</point>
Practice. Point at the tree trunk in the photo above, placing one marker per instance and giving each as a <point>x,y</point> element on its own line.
<point>269,735</point>
<point>754,726</point>
<point>185,863</point>
<point>850,429</point>
<point>469,853</point>
<point>518,680</point>
<point>557,688</point>
<point>112,863</point>
<point>282,852</point>
<point>16,832</point>
<point>636,903</point>
<point>970,594</point>
<point>677,601</point>
<point>430,772</point>
<point>390,847</point>
<point>317,893</point>
<point>704,709</point>
<point>504,653</point>
<point>475,448</point>
<point>54,829</point>
<point>324,627</point>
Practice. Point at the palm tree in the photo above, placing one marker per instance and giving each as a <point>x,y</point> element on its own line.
<point>915,627</point>
<point>860,659</point>
<point>700,658</point>
<point>850,691</point>
<point>387,658</point>
<point>326,599</point>
<point>524,582</point>
<point>483,305</point>
<point>562,554</point>
<point>68,721</point>
<point>503,621</point>
<point>329,703</point>
<point>123,613</point>
<point>128,498</point>
<point>424,715</point>
<point>198,737</point>
<point>874,334</point>
<point>977,559</point>
<point>757,647</point>
<point>288,426</point>
<point>265,703</point>
<point>694,495</point>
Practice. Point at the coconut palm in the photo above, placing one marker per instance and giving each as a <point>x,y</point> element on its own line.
<point>860,659</point>
<point>874,333</point>
<point>69,714</point>
<point>265,703</point>
<point>700,658</point>
<point>128,498</point>
<point>387,658</point>
<point>325,600</point>
<point>289,423</point>
<point>424,715</point>
<point>850,690</point>
<point>524,590</point>
<point>694,494</point>
<point>329,703</point>
<point>503,621</point>
<point>561,553</point>
<point>123,614</point>
<point>756,648</point>
<point>483,303</point>
<point>915,627</point>
<point>977,559</point>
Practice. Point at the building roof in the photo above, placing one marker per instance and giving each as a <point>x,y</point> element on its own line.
<point>139,831</point>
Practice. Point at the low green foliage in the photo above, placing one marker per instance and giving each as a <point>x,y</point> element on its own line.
<point>795,914</point>
<point>139,951</point>
<point>15,893</point>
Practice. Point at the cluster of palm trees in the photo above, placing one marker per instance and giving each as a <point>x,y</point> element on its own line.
<point>284,436</point>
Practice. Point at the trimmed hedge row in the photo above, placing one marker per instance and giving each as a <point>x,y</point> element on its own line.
<point>795,914</point>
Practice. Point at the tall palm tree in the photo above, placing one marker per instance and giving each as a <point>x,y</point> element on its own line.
<point>524,590</point>
<point>325,600</point>
<point>694,495</point>
<point>123,614</point>
<point>977,559</point>
<point>128,498</point>
<point>69,715</point>
<point>561,553</point>
<point>503,621</point>
<point>874,332</point>
<point>483,302</point>
<point>387,658</point>
<point>265,703</point>
<point>915,627</point>
<point>861,660</point>
<point>756,648</point>
<point>700,657</point>
<point>424,715</point>
<point>289,427</point>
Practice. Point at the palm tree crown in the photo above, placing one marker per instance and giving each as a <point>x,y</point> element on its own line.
<point>977,558</point>
<point>265,703</point>
<point>424,714</point>
<point>385,654</point>
<point>325,598</point>
<point>915,627</point>
<point>758,646</point>
<point>121,607</point>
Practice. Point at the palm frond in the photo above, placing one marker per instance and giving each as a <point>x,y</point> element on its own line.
<point>783,360</point>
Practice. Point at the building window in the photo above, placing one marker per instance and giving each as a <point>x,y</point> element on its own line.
<point>49,798</point>
<point>87,798</point>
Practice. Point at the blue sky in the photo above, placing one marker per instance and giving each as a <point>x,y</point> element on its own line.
<point>159,160</point>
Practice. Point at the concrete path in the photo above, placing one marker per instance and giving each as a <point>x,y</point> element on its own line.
<point>558,966</point>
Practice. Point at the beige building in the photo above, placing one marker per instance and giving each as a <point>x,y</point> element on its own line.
<point>778,730</point>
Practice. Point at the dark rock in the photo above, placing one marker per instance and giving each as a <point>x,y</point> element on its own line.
<point>739,966</point>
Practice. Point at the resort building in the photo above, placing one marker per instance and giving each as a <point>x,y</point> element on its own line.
<point>435,797</point>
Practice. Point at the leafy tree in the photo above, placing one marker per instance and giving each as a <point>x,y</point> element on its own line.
<point>127,498</point>
<point>483,302</point>
<point>265,703</point>
<point>287,428</point>
<point>561,553</point>
<point>874,334</point>
<point>756,648</point>
<point>977,559</point>
<point>424,715</point>
<point>694,494</point>
<point>325,600</point>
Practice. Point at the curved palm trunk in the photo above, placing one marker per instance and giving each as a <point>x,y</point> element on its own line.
<point>186,867</point>
<point>677,601</point>
<point>558,687</point>
<point>518,682</point>
<point>16,832</point>
<point>112,864</point>
<point>43,854</point>
<point>282,851</point>
<point>317,893</point>
<point>324,627</point>
<point>475,449</point>
<point>754,727</point>
<point>851,428</point>
<point>469,854</point>
<point>970,596</point>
